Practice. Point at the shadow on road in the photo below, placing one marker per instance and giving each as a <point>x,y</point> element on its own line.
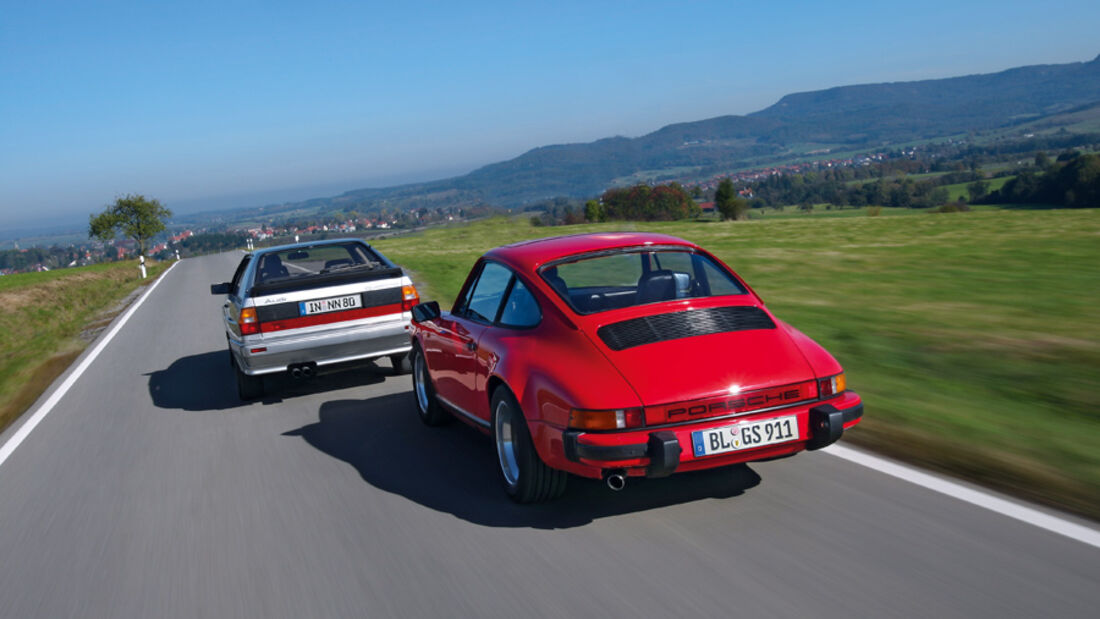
<point>206,382</point>
<point>453,469</point>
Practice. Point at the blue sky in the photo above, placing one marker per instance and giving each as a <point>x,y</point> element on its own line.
<point>218,104</point>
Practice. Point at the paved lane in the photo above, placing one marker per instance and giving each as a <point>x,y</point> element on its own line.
<point>149,491</point>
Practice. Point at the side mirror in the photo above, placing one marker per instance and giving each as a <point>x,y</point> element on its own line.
<point>222,288</point>
<point>423,312</point>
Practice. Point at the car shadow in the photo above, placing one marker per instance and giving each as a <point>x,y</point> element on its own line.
<point>205,382</point>
<point>452,469</point>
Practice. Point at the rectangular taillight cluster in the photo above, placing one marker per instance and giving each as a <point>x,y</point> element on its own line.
<point>617,419</point>
<point>409,298</point>
<point>249,321</point>
<point>828,387</point>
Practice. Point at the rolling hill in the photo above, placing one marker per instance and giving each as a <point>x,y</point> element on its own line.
<point>848,118</point>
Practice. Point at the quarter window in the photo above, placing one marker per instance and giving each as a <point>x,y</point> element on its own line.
<point>521,309</point>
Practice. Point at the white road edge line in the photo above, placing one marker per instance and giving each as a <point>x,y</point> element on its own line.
<point>40,414</point>
<point>1019,512</point>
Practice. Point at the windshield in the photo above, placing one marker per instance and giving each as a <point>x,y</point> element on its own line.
<point>623,279</point>
<point>310,261</point>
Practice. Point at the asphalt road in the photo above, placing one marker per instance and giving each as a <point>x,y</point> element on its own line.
<point>150,491</point>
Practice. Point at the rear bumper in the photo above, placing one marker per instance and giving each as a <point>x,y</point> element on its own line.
<point>663,451</point>
<point>277,352</point>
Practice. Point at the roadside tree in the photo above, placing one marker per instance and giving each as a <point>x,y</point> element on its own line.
<point>132,216</point>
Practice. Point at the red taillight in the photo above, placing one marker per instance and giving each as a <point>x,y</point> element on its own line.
<point>250,323</point>
<point>618,419</point>
<point>409,298</point>
<point>828,387</point>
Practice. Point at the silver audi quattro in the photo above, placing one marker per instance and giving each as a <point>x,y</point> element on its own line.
<point>295,308</point>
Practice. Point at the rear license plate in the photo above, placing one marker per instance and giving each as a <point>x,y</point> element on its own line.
<point>335,304</point>
<point>744,435</point>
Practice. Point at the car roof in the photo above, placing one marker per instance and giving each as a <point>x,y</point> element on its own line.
<point>530,255</point>
<point>268,250</point>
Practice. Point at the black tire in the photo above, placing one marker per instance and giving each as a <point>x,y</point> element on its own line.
<point>427,406</point>
<point>525,476</point>
<point>249,387</point>
<point>402,364</point>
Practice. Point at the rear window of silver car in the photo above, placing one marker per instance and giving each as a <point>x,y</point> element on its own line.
<point>310,261</point>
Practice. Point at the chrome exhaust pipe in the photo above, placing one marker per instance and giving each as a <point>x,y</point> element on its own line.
<point>307,371</point>
<point>296,373</point>
<point>616,481</point>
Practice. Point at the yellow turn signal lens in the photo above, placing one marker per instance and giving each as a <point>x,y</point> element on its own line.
<point>828,387</point>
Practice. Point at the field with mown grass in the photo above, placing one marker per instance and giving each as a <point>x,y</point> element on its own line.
<point>974,338</point>
<point>42,319</point>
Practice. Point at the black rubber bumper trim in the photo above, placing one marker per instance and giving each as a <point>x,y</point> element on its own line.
<point>851,414</point>
<point>575,450</point>
<point>827,424</point>
<point>662,449</point>
<point>664,454</point>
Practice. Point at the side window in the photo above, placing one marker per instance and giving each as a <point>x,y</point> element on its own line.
<point>488,291</point>
<point>520,309</point>
<point>234,285</point>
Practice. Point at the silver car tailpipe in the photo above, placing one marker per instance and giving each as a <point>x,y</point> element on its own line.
<point>616,480</point>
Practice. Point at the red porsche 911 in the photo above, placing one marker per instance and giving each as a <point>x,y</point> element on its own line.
<point>621,355</point>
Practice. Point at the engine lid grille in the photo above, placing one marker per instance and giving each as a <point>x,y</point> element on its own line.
<point>677,325</point>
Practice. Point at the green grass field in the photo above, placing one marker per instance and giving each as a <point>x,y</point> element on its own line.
<point>974,338</point>
<point>44,314</point>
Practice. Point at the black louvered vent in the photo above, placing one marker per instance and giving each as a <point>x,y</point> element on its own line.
<point>664,327</point>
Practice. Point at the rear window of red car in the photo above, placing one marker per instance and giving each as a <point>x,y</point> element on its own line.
<point>614,280</point>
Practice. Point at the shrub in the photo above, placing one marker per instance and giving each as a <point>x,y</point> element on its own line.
<point>645,203</point>
<point>952,207</point>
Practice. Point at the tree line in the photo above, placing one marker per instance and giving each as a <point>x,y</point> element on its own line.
<point>1072,181</point>
<point>641,202</point>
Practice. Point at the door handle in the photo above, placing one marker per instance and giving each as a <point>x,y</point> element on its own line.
<point>471,345</point>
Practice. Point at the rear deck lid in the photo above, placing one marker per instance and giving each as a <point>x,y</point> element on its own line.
<point>706,353</point>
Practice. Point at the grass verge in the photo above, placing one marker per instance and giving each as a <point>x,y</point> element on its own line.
<point>44,316</point>
<point>974,338</point>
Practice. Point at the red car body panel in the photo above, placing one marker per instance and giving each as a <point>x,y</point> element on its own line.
<point>684,385</point>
